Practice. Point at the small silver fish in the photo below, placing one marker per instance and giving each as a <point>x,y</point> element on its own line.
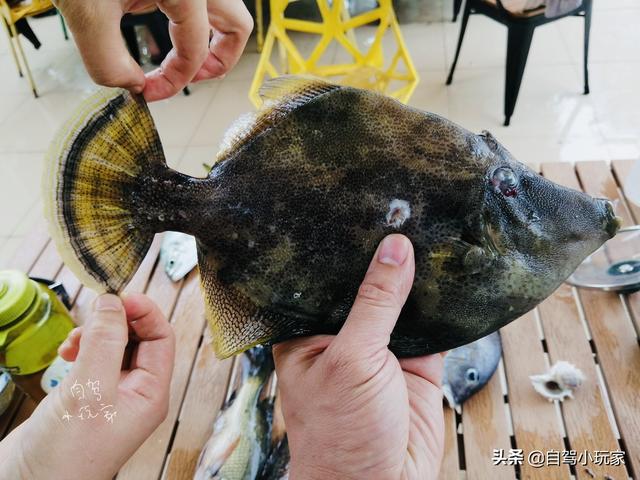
<point>178,254</point>
<point>469,368</point>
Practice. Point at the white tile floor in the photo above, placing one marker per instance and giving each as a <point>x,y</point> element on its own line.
<point>553,121</point>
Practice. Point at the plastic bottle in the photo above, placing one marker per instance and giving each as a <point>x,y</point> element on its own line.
<point>33,324</point>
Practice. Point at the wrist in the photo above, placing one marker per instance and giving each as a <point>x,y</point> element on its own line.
<point>12,455</point>
<point>302,471</point>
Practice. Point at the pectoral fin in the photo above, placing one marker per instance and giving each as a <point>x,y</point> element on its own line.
<point>474,258</point>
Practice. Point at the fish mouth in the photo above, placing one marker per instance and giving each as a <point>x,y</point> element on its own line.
<point>612,221</point>
<point>451,400</point>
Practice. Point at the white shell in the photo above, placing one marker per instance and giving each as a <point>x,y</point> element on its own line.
<point>559,382</point>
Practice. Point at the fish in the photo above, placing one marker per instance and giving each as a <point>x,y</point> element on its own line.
<point>296,203</point>
<point>276,466</point>
<point>178,254</point>
<point>469,368</point>
<point>238,446</point>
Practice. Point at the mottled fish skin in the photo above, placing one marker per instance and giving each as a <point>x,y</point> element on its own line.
<point>294,216</point>
<point>467,369</point>
<point>289,218</point>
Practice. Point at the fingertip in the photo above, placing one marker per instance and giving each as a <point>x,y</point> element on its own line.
<point>67,353</point>
<point>306,347</point>
<point>107,303</point>
<point>136,89</point>
<point>428,367</point>
<point>394,250</point>
<point>145,318</point>
<point>137,305</point>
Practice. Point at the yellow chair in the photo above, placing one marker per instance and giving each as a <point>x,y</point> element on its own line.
<point>9,16</point>
<point>368,67</point>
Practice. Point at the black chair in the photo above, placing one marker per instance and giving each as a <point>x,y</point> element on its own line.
<point>520,33</point>
<point>457,5</point>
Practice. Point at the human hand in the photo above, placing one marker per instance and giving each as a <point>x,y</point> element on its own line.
<point>48,445</point>
<point>352,409</point>
<point>96,28</point>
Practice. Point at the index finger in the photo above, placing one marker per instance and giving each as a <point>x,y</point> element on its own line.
<point>189,30</point>
<point>155,352</point>
<point>96,30</point>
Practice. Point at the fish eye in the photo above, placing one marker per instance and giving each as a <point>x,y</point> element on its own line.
<point>472,375</point>
<point>506,181</point>
<point>172,263</point>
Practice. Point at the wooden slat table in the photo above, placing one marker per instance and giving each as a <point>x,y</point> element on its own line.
<point>597,331</point>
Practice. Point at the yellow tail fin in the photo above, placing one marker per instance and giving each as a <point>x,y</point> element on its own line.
<point>90,185</point>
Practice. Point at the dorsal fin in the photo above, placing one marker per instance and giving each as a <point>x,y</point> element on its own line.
<point>293,88</point>
<point>280,96</point>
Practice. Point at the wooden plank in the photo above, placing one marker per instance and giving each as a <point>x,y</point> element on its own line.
<point>613,333</point>
<point>535,421</point>
<point>485,428</point>
<point>34,243</point>
<point>81,310</point>
<point>26,408</point>
<point>585,416</point>
<point>142,276</point>
<point>450,466</point>
<point>9,414</point>
<point>70,282</point>
<point>619,357</point>
<point>164,291</point>
<point>563,330</point>
<point>188,321</point>
<point>597,180</point>
<point>204,397</point>
<point>48,264</point>
<point>621,169</point>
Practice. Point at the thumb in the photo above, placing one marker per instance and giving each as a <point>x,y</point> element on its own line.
<point>96,31</point>
<point>103,341</point>
<point>380,298</point>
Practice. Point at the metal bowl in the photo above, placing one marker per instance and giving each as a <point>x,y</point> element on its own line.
<point>613,267</point>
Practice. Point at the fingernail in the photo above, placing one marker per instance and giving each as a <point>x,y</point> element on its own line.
<point>107,303</point>
<point>394,250</point>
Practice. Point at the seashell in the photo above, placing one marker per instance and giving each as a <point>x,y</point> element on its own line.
<point>559,381</point>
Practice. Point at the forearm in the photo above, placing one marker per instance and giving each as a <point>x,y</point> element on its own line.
<point>12,456</point>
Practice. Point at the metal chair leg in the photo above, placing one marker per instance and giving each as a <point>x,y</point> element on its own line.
<point>24,60</point>
<point>64,26</point>
<point>518,43</point>
<point>12,47</point>
<point>463,27</point>
<point>587,28</point>
<point>457,4</point>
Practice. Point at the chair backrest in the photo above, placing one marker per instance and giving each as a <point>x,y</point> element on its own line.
<point>21,10</point>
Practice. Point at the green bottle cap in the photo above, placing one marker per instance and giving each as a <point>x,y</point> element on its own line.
<point>17,292</point>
